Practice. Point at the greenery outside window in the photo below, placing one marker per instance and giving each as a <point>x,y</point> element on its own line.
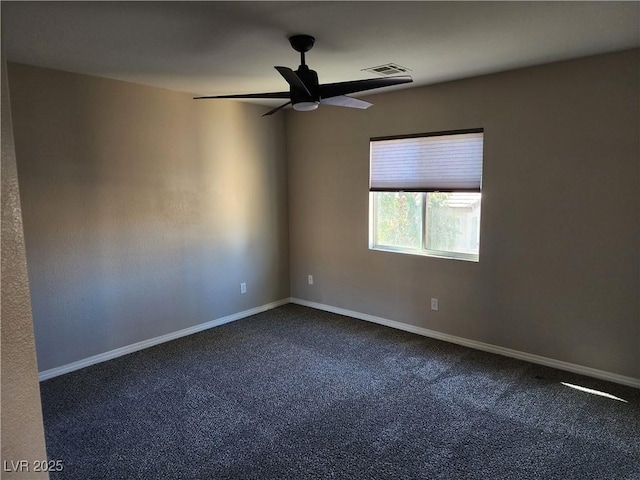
<point>425,194</point>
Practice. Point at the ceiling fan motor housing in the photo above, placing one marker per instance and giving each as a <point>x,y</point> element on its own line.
<point>310,79</point>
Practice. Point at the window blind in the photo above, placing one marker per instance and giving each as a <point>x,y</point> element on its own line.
<point>442,162</point>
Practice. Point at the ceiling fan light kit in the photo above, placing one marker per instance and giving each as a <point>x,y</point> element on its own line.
<point>305,91</point>
<point>305,106</point>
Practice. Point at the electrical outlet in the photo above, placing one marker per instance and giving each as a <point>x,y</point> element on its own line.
<point>243,288</point>
<point>434,304</point>
<point>310,279</point>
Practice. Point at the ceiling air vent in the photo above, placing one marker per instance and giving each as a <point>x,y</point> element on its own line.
<point>387,69</point>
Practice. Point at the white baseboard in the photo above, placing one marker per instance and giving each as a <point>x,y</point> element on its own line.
<point>118,352</point>
<point>507,352</point>
<point>549,362</point>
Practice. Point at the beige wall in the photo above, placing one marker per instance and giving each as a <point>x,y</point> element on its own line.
<point>558,270</point>
<point>21,415</point>
<point>143,210</point>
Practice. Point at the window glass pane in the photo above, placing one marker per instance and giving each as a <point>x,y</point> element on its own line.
<point>399,219</point>
<point>453,221</point>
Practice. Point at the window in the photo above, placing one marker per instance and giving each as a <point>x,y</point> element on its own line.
<point>425,194</point>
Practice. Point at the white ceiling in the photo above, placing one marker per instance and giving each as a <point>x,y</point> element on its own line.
<point>213,48</point>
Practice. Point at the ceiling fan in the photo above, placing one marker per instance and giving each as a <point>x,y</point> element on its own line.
<point>306,93</point>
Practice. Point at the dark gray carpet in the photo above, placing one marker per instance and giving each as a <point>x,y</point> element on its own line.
<point>295,393</point>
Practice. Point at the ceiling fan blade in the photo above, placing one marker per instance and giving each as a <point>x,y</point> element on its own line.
<point>249,95</point>
<point>271,112</point>
<point>293,79</point>
<point>344,101</point>
<point>342,88</point>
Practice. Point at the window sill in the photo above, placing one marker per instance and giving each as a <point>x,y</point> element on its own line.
<point>467,257</point>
